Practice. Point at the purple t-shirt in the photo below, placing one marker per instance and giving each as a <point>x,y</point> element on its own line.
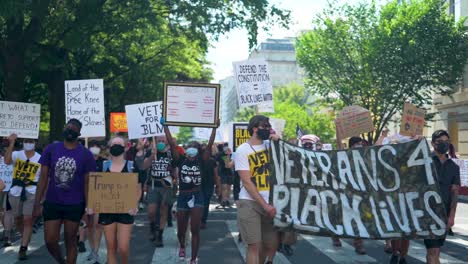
<point>67,168</point>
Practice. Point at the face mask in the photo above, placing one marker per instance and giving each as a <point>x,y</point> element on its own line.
<point>442,147</point>
<point>116,150</point>
<point>161,146</point>
<point>191,152</point>
<point>263,134</point>
<point>29,146</point>
<point>70,135</point>
<point>95,150</point>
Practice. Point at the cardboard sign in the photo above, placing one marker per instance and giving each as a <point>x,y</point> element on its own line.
<point>463,164</point>
<point>353,121</point>
<point>254,84</point>
<point>6,174</point>
<point>380,192</point>
<point>412,122</point>
<point>191,104</point>
<point>84,100</point>
<point>112,192</point>
<point>118,122</point>
<point>144,121</point>
<point>22,119</point>
<point>240,134</point>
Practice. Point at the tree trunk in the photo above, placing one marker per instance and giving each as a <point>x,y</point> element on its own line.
<point>56,84</point>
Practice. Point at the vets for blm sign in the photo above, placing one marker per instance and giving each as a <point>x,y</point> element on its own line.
<point>378,192</point>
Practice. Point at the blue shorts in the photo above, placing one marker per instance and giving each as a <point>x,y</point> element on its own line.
<point>185,203</point>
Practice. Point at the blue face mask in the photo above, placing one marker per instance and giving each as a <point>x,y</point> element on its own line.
<point>191,152</point>
<point>161,146</point>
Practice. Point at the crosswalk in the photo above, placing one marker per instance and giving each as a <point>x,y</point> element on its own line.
<point>220,245</point>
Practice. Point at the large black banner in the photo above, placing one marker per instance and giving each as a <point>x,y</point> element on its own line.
<point>378,192</point>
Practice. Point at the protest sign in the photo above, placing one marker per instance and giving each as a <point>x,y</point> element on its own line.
<point>412,122</point>
<point>353,121</point>
<point>118,122</point>
<point>239,134</point>
<point>112,192</point>
<point>84,100</point>
<point>463,164</point>
<point>254,84</point>
<point>6,174</point>
<point>191,104</point>
<point>379,192</point>
<point>327,146</point>
<point>278,125</point>
<point>144,121</point>
<point>22,119</point>
<point>201,133</point>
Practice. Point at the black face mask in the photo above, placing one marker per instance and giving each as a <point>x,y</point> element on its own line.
<point>442,147</point>
<point>70,135</point>
<point>116,150</point>
<point>263,134</point>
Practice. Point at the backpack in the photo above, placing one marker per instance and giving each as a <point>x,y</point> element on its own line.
<point>108,163</point>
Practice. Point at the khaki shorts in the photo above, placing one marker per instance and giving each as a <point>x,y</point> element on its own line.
<point>254,225</point>
<point>19,207</point>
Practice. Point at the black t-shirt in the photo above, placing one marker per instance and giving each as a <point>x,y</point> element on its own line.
<point>222,159</point>
<point>99,163</point>
<point>208,174</point>
<point>161,169</point>
<point>190,173</point>
<point>448,174</point>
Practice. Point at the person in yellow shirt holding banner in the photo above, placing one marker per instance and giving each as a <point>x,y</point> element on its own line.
<point>26,173</point>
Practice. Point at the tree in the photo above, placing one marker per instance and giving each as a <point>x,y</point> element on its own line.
<point>379,58</point>
<point>293,104</point>
<point>133,45</point>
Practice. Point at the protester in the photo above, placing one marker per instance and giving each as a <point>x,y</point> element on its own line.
<point>7,217</point>
<point>159,188</point>
<point>448,174</point>
<point>140,155</point>
<point>21,197</point>
<point>190,200</point>
<point>226,174</point>
<point>93,229</point>
<point>209,180</point>
<point>254,213</point>
<point>65,175</point>
<point>118,227</point>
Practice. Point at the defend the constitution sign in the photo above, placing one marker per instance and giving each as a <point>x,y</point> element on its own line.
<point>378,192</point>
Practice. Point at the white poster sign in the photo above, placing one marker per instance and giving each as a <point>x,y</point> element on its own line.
<point>191,104</point>
<point>201,133</point>
<point>6,174</point>
<point>84,100</point>
<point>143,120</point>
<point>22,119</point>
<point>254,84</point>
<point>463,164</point>
<point>278,125</point>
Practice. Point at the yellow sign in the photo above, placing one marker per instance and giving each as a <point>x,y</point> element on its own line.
<point>25,170</point>
<point>118,122</point>
<point>260,170</point>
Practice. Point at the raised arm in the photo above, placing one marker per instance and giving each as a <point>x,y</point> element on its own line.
<point>207,152</point>
<point>174,152</point>
<point>9,151</point>
<point>339,137</point>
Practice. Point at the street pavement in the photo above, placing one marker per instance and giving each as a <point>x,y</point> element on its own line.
<point>220,245</point>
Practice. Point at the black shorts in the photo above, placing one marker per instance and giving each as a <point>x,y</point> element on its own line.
<point>53,211</point>
<point>227,179</point>
<point>434,243</point>
<point>107,219</point>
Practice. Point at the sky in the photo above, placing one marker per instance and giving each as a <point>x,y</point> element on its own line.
<point>234,46</point>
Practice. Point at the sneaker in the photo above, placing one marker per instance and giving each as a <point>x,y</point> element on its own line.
<point>182,253</point>
<point>402,260</point>
<point>6,242</point>
<point>93,256</point>
<point>336,242</point>
<point>22,253</point>
<point>450,232</point>
<point>394,259</point>
<point>158,242</point>
<point>288,250</point>
<point>81,247</point>
<point>140,206</point>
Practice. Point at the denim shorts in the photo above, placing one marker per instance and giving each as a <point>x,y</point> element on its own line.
<point>188,200</point>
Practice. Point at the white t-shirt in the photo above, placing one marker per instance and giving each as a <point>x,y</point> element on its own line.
<point>31,172</point>
<point>254,158</point>
<point>6,174</point>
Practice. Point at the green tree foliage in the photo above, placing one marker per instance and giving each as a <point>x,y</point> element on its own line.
<point>133,45</point>
<point>379,58</point>
<point>294,104</point>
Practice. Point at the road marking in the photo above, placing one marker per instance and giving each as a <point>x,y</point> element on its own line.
<point>418,251</point>
<point>343,255</point>
<point>232,226</point>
